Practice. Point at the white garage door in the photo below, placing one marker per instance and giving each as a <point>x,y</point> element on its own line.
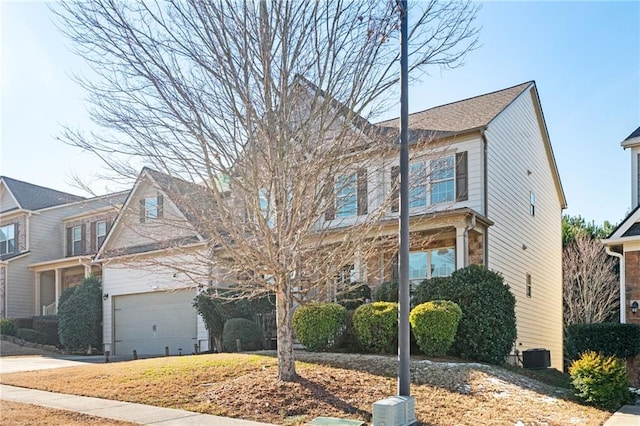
<point>150,322</point>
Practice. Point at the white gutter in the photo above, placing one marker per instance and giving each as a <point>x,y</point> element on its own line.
<point>623,297</point>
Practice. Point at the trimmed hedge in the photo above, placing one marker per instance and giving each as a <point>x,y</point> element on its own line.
<point>48,326</point>
<point>319,326</point>
<point>80,316</point>
<point>7,327</point>
<point>386,292</point>
<point>376,327</point>
<point>249,333</point>
<point>30,335</point>
<point>609,339</point>
<point>23,322</point>
<point>487,331</point>
<point>601,380</point>
<point>434,324</point>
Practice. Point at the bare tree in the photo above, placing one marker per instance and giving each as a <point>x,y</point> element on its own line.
<point>590,285</point>
<point>267,106</point>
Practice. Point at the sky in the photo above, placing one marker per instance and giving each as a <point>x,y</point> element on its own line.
<point>583,56</point>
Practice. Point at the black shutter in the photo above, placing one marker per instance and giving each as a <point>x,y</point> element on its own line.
<point>83,239</point>
<point>395,189</point>
<point>395,275</point>
<point>160,206</point>
<point>363,199</point>
<point>143,213</point>
<point>93,244</point>
<point>69,241</point>
<point>329,198</point>
<point>462,177</point>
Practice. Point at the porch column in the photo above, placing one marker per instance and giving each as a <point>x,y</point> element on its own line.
<point>58,286</point>
<point>38,294</point>
<point>87,270</point>
<point>461,247</point>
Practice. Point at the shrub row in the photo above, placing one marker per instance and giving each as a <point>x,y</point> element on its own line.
<point>45,327</point>
<point>609,339</point>
<point>319,326</point>
<point>246,331</point>
<point>7,327</point>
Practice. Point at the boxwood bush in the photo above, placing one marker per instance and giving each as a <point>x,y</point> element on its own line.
<point>48,326</point>
<point>30,335</point>
<point>7,327</point>
<point>487,330</point>
<point>319,326</point>
<point>249,333</point>
<point>23,322</point>
<point>386,292</point>
<point>600,380</point>
<point>376,327</point>
<point>354,296</point>
<point>434,325</point>
<point>80,316</point>
<point>610,339</point>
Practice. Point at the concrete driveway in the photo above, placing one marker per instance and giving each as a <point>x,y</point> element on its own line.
<point>17,358</point>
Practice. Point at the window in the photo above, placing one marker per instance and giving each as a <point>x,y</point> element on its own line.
<point>532,203</point>
<point>347,195</point>
<point>7,239</point>
<point>76,241</point>
<point>528,287</point>
<point>442,180</point>
<point>347,275</point>
<point>417,185</point>
<point>431,263</point>
<point>150,208</point>
<point>265,207</point>
<point>101,233</point>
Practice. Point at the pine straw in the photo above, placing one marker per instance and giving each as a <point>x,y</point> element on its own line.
<point>336,385</point>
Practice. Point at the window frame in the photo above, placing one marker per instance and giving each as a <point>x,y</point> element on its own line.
<point>5,240</point>
<point>98,235</point>
<point>80,250</point>
<point>435,180</point>
<point>346,188</point>
<point>429,263</point>
<point>148,208</point>
<point>423,178</point>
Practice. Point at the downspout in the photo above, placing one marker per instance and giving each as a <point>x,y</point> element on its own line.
<point>485,200</point>
<point>623,297</point>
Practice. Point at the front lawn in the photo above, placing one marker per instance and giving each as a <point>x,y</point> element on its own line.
<point>330,384</point>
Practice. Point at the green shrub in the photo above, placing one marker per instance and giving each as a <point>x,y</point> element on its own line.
<point>386,292</point>
<point>487,330</point>
<point>48,326</point>
<point>376,327</point>
<point>80,316</point>
<point>610,339</point>
<point>30,335</point>
<point>319,326</point>
<point>7,327</point>
<point>23,322</point>
<point>434,324</point>
<point>249,333</point>
<point>354,296</point>
<point>349,341</point>
<point>600,380</point>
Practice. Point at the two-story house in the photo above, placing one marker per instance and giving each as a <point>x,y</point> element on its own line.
<point>47,242</point>
<point>624,241</point>
<point>489,193</point>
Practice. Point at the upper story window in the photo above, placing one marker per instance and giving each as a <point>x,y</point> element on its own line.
<point>349,195</point>
<point>532,203</point>
<point>77,242</point>
<point>101,233</point>
<point>266,207</point>
<point>442,180</point>
<point>7,239</point>
<point>151,208</point>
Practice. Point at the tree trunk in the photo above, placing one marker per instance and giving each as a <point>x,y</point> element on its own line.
<point>284,325</point>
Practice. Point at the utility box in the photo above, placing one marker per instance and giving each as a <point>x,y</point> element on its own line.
<point>536,359</point>
<point>395,411</point>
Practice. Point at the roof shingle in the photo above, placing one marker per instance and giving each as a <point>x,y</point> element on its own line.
<point>35,197</point>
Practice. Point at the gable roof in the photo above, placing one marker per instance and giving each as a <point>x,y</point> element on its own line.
<point>632,139</point>
<point>464,115</point>
<point>629,227</point>
<point>35,197</point>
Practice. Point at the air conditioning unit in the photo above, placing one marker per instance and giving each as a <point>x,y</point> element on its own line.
<point>536,358</point>
<point>395,411</point>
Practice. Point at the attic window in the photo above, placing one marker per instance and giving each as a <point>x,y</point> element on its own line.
<point>150,208</point>
<point>7,239</point>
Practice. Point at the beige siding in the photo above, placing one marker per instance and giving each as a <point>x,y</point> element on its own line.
<point>131,278</point>
<point>521,244</point>
<point>7,202</point>
<point>131,232</point>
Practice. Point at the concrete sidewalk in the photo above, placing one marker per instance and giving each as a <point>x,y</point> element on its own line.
<point>117,410</point>
<point>628,415</point>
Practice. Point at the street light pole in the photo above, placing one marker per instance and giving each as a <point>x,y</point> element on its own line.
<point>403,285</point>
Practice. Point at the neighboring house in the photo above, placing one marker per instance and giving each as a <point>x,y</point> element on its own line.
<point>150,276</point>
<point>47,241</point>
<point>490,194</point>
<point>624,241</point>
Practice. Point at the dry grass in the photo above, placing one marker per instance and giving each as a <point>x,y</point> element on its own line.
<point>14,413</point>
<point>338,385</point>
